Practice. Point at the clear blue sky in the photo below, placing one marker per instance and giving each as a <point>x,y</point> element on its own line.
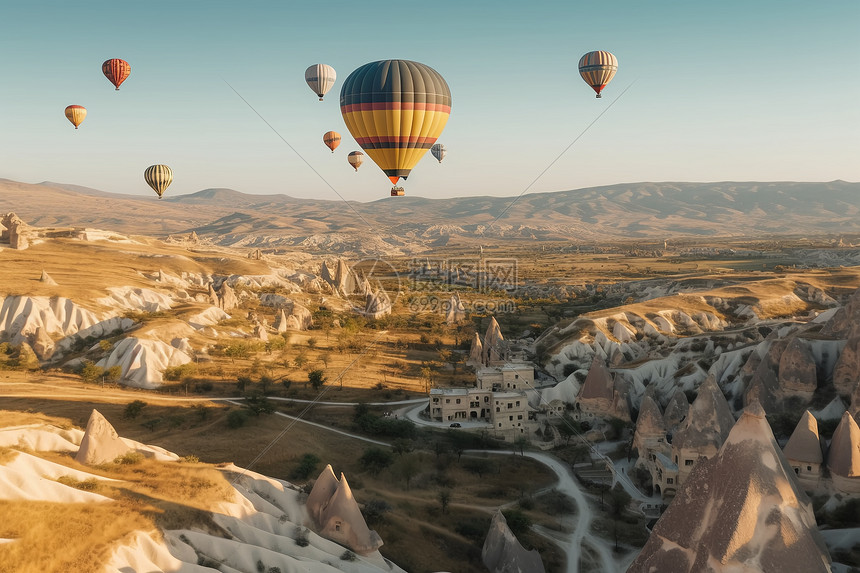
<point>728,90</point>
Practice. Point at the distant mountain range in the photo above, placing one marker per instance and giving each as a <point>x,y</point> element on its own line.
<point>631,211</point>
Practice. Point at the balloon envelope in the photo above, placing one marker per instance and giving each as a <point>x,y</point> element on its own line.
<point>116,71</point>
<point>439,152</point>
<point>76,114</point>
<point>159,177</point>
<point>355,159</point>
<point>597,69</point>
<point>331,139</point>
<point>395,110</point>
<point>320,78</point>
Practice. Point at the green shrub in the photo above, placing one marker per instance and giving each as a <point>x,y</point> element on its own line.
<point>237,418</point>
<point>133,409</point>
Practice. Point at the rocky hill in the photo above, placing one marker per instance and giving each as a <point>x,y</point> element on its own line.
<point>410,225</point>
<point>119,505</point>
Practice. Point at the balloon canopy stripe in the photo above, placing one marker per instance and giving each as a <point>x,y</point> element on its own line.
<point>395,105</point>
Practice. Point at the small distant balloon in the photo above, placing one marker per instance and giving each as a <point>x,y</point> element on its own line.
<point>76,114</point>
<point>320,78</point>
<point>597,69</point>
<point>116,71</point>
<point>159,177</point>
<point>331,139</point>
<point>355,158</point>
<point>439,152</point>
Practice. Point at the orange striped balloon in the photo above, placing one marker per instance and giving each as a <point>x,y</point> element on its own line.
<point>331,139</point>
<point>597,69</point>
<point>76,114</point>
<point>116,71</point>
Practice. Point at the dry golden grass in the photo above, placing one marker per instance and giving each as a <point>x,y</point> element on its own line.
<point>80,537</point>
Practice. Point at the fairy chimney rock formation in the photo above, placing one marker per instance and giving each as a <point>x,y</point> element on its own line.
<point>843,459</point>
<point>650,432</point>
<point>455,311</point>
<point>797,370</point>
<point>846,373</point>
<point>213,296</point>
<point>676,410</point>
<point>803,450</point>
<point>227,297</point>
<point>100,444</point>
<point>46,279</point>
<point>41,343</point>
<point>739,511</point>
<point>281,321</point>
<point>476,353</point>
<point>17,231</point>
<point>336,515</point>
<point>493,351</point>
<point>502,552</point>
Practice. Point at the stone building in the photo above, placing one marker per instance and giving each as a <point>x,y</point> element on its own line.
<point>803,451</point>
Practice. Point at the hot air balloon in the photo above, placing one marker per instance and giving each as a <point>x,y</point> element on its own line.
<point>320,78</point>
<point>76,114</point>
<point>331,139</point>
<point>116,71</point>
<point>438,150</point>
<point>597,69</point>
<point>395,110</point>
<point>159,177</point>
<point>355,158</point>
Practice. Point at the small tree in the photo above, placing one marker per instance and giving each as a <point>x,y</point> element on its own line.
<point>90,372</point>
<point>444,499</point>
<point>317,379</point>
<point>133,409</point>
<point>376,459</point>
<point>307,464</point>
<point>113,374</point>
<point>520,443</point>
<point>407,468</point>
<point>258,404</point>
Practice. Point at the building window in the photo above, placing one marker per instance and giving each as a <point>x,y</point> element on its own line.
<point>676,460</point>
<point>500,424</point>
<point>510,405</point>
<point>486,399</point>
<point>458,400</point>
<point>498,409</point>
<point>337,526</point>
<point>518,403</point>
<point>688,462</point>
<point>510,418</point>
<point>516,376</point>
<point>520,417</point>
<point>447,400</point>
<point>670,480</point>
<point>809,468</point>
<point>797,470</point>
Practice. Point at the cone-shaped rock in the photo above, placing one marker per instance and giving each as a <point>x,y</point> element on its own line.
<point>100,444</point>
<point>46,279</point>
<point>502,552</point>
<point>740,511</point>
<point>843,459</point>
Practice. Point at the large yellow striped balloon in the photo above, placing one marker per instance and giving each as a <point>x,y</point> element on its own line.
<point>395,110</point>
<point>159,177</point>
<point>597,69</point>
<point>76,114</point>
